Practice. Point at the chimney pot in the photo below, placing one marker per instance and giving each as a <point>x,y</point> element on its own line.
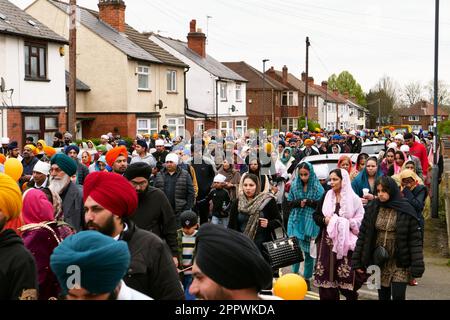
<point>303,76</point>
<point>192,25</point>
<point>285,75</point>
<point>112,12</point>
<point>196,39</point>
<point>336,91</point>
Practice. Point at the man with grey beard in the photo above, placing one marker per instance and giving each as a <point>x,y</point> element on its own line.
<point>62,168</point>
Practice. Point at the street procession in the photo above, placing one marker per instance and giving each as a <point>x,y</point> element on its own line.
<point>135,166</point>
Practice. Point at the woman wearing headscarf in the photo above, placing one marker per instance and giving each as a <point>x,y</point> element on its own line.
<point>339,217</point>
<point>41,235</point>
<point>390,222</point>
<point>99,165</point>
<point>345,163</point>
<point>86,158</point>
<point>40,146</point>
<point>232,178</point>
<point>91,147</point>
<point>254,213</point>
<point>305,193</point>
<point>399,160</point>
<point>366,180</point>
<point>360,165</point>
<point>388,161</point>
<point>254,167</point>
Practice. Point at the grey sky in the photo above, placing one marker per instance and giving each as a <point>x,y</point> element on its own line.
<point>368,38</point>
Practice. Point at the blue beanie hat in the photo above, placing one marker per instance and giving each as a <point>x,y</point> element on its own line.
<point>71,147</point>
<point>65,163</point>
<point>102,262</point>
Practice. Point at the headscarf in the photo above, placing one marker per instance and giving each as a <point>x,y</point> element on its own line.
<point>41,150</point>
<point>112,191</point>
<point>362,179</point>
<point>49,151</point>
<point>396,201</point>
<point>102,261</point>
<point>301,223</point>
<point>283,159</point>
<point>349,218</point>
<point>231,259</point>
<point>89,160</point>
<point>114,153</point>
<point>398,168</point>
<point>253,207</point>
<point>36,207</point>
<point>10,197</point>
<point>343,158</point>
<point>2,158</point>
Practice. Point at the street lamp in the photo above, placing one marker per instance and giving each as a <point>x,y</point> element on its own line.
<point>264,90</point>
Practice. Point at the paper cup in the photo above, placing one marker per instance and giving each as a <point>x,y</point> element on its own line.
<point>365,191</point>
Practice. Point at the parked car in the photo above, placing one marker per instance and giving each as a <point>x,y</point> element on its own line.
<point>372,148</point>
<point>331,160</point>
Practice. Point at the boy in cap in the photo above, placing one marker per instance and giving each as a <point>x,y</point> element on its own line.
<point>186,248</point>
<point>220,199</point>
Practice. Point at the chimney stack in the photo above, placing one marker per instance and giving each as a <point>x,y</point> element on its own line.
<point>336,91</point>
<point>324,85</point>
<point>310,80</point>
<point>112,12</point>
<point>304,76</point>
<point>271,72</point>
<point>353,99</point>
<point>285,75</point>
<point>346,95</point>
<point>196,39</point>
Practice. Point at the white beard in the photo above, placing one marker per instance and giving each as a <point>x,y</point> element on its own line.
<point>59,184</point>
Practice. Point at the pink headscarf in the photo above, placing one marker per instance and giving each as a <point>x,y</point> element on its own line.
<point>36,207</point>
<point>343,228</point>
<point>397,168</point>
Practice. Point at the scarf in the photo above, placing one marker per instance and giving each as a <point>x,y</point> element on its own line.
<point>362,180</point>
<point>350,215</point>
<point>283,159</point>
<point>397,168</point>
<point>303,225</point>
<point>252,208</point>
<point>396,200</point>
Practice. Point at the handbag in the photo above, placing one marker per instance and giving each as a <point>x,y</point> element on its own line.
<point>380,254</point>
<point>282,252</point>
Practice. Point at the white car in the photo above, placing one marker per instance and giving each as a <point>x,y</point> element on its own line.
<point>372,148</point>
<point>331,160</point>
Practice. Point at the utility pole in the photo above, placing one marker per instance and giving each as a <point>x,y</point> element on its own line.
<point>435,173</point>
<point>306,82</point>
<point>264,91</point>
<point>72,111</point>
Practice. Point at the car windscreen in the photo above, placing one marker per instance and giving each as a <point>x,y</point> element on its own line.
<point>372,148</point>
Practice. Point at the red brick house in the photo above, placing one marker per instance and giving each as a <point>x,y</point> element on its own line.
<point>420,115</point>
<point>262,88</point>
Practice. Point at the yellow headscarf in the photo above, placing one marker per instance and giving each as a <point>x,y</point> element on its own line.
<point>406,173</point>
<point>39,150</point>
<point>10,197</point>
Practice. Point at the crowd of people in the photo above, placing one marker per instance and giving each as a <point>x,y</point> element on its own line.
<point>163,218</point>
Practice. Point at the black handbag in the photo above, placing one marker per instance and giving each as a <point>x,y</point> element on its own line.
<point>380,255</point>
<point>282,252</point>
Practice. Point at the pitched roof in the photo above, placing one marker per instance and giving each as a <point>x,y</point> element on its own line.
<point>15,21</point>
<point>108,33</point>
<point>298,84</point>
<point>208,63</point>
<point>81,86</point>
<point>329,95</point>
<point>356,105</point>
<point>255,77</point>
<point>421,108</point>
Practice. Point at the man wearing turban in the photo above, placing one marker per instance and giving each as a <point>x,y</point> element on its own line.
<point>62,168</point>
<point>109,201</point>
<point>82,171</point>
<point>154,212</point>
<point>14,151</point>
<point>117,158</point>
<point>28,162</point>
<point>354,143</point>
<point>228,266</point>
<point>104,141</point>
<point>102,262</point>
<point>18,276</point>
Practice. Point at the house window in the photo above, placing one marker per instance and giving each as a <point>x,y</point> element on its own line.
<point>241,127</point>
<point>149,126</point>
<point>413,118</point>
<point>289,124</point>
<point>223,91</point>
<point>35,61</point>
<point>143,78</point>
<point>39,127</point>
<point>238,92</point>
<point>287,99</point>
<point>171,80</point>
<point>416,127</point>
<point>226,127</point>
<point>176,126</point>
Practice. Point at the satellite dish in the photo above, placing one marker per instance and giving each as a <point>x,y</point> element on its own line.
<point>2,85</point>
<point>160,104</point>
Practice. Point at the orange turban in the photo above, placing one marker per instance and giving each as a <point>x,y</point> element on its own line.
<point>2,158</point>
<point>49,151</point>
<point>113,154</point>
<point>10,197</point>
<point>308,142</point>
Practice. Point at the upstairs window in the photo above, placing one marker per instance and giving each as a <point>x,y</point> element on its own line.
<point>223,91</point>
<point>35,61</point>
<point>171,80</point>
<point>143,78</point>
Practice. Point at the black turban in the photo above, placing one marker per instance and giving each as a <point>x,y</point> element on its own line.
<point>138,169</point>
<point>231,259</point>
<point>142,143</point>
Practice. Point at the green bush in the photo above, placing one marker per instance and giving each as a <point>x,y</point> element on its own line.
<point>312,125</point>
<point>97,141</point>
<point>444,127</point>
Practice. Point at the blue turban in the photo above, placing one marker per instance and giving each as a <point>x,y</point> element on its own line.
<point>65,163</point>
<point>336,137</point>
<point>71,147</point>
<point>102,262</point>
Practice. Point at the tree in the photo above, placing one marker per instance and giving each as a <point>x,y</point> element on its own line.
<point>346,83</point>
<point>389,87</point>
<point>412,93</point>
<point>380,104</point>
<point>443,92</point>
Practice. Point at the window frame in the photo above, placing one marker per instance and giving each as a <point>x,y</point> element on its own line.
<point>289,95</point>
<point>149,129</point>
<point>42,127</point>
<point>242,127</point>
<point>238,89</point>
<point>414,118</point>
<point>223,87</point>
<point>179,126</point>
<point>140,73</point>
<point>28,45</point>
<point>171,77</point>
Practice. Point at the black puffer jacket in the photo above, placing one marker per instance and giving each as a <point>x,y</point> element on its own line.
<point>408,241</point>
